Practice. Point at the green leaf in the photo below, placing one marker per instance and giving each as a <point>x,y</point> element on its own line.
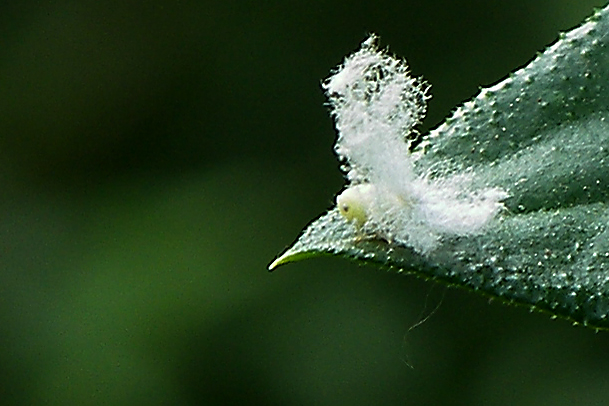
<point>542,134</point>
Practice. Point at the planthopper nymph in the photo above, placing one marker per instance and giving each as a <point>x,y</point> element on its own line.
<point>377,105</point>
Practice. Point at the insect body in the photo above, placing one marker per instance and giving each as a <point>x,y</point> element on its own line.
<point>354,203</point>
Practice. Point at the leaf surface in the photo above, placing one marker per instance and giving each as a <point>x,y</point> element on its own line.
<point>542,134</point>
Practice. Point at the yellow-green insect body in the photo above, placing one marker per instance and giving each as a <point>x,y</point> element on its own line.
<point>355,203</point>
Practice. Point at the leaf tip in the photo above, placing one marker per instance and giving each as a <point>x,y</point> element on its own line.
<point>285,258</point>
<point>278,261</point>
<point>293,254</point>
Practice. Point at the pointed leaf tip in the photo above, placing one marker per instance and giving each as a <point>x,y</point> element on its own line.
<point>278,261</point>
<point>291,255</point>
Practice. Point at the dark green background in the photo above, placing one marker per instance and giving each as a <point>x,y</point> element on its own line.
<point>155,157</point>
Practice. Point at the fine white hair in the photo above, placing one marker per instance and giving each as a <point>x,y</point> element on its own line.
<point>376,105</point>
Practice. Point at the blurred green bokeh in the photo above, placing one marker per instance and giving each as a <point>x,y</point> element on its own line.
<point>155,157</point>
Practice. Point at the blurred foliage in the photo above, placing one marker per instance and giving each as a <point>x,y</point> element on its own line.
<point>155,156</point>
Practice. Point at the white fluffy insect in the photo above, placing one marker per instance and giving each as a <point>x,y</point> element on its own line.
<point>376,104</point>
